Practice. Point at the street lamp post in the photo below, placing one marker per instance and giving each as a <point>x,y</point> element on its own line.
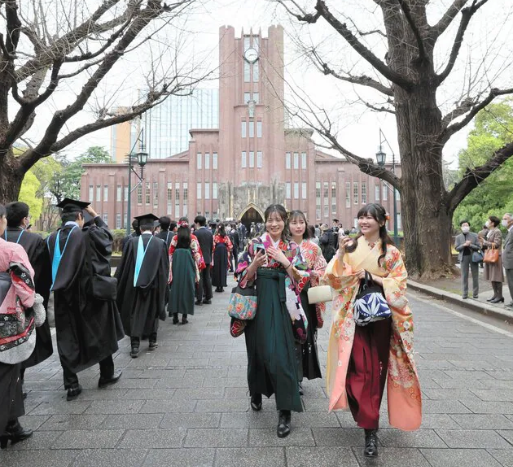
<point>381,158</point>
<point>142,158</point>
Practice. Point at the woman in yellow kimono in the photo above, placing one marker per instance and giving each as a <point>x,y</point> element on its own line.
<point>359,356</point>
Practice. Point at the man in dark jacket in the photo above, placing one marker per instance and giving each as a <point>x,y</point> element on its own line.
<point>86,316</point>
<point>206,241</point>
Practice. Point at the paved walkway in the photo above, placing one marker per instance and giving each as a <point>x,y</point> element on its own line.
<point>187,405</point>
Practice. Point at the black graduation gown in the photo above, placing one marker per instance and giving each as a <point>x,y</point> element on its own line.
<point>88,329</point>
<point>143,305</point>
<point>167,236</point>
<point>39,258</point>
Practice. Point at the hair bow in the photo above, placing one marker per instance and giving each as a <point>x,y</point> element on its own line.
<point>183,224</point>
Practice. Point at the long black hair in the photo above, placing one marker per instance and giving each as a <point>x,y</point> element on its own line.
<point>295,215</point>
<point>282,212</point>
<point>183,234</point>
<point>379,214</point>
<point>221,230</point>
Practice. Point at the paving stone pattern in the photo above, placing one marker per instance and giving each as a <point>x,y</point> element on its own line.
<point>187,404</point>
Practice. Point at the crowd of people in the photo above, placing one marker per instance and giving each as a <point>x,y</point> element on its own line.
<point>490,249</point>
<point>168,268</point>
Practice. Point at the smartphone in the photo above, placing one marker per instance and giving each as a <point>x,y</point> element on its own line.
<point>262,248</point>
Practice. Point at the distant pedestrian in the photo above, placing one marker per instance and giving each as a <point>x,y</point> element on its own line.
<point>270,262</point>
<point>222,251</point>
<point>166,233</point>
<point>234,257</point>
<point>185,259</point>
<point>507,255</point>
<point>363,359</point>
<point>493,271</point>
<point>135,233</point>
<point>206,243</point>
<point>467,243</point>
<point>143,277</point>
<point>326,243</point>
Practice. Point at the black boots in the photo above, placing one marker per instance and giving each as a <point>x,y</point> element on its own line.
<point>15,433</point>
<point>73,392</point>
<point>184,319</point>
<point>371,443</point>
<point>256,402</point>
<point>175,318</point>
<point>283,429</point>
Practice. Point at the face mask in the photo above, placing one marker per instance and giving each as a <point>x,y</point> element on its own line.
<point>465,230</point>
<point>504,223</point>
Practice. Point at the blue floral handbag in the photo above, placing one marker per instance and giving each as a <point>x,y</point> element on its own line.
<point>370,304</point>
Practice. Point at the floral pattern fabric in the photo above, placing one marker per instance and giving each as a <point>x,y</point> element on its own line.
<point>315,267</point>
<point>404,395</point>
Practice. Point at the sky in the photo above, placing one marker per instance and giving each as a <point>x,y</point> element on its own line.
<point>484,54</point>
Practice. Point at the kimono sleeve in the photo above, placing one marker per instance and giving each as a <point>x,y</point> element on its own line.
<point>339,275</point>
<point>229,243</point>
<point>245,259</point>
<point>197,254</point>
<point>22,276</point>
<point>394,284</point>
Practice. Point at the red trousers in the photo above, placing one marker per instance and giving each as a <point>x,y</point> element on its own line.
<point>367,372</point>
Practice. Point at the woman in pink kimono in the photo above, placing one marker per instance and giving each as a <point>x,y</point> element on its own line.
<point>359,356</point>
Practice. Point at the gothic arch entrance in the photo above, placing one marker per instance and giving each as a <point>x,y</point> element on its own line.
<point>251,214</point>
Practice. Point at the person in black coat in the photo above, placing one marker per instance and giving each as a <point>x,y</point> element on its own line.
<point>86,315</point>
<point>135,233</point>
<point>165,233</point>
<point>206,241</point>
<point>234,237</point>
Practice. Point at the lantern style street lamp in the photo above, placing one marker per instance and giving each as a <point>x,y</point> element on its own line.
<point>381,159</point>
<point>142,158</point>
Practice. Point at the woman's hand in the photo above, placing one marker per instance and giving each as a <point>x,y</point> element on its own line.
<point>258,260</point>
<point>343,243</point>
<point>360,274</point>
<point>278,255</point>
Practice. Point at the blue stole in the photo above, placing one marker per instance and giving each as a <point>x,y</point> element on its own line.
<point>19,237</point>
<point>57,255</point>
<point>141,253</point>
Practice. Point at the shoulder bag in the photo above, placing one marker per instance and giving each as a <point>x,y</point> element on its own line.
<point>477,256</point>
<point>370,304</point>
<point>243,303</point>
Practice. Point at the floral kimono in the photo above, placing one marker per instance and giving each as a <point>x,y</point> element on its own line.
<point>404,395</point>
<point>272,367</point>
<point>197,255</point>
<point>308,363</point>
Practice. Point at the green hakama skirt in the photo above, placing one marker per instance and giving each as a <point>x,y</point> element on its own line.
<point>183,288</point>
<point>272,366</point>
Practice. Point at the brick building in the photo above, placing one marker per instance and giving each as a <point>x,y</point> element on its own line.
<point>252,160</point>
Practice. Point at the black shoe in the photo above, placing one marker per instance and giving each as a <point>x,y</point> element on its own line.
<point>371,443</point>
<point>175,318</point>
<point>104,382</point>
<point>497,300</point>
<point>24,395</point>
<point>490,299</point>
<point>134,353</point>
<point>207,302</point>
<point>256,402</point>
<point>464,297</point>
<point>184,319</point>
<point>301,391</point>
<point>73,392</point>
<point>283,429</point>
<point>153,345</point>
<point>15,433</point>
<point>198,302</point>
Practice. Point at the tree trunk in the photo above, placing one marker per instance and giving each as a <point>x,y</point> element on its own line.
<point>426,217</point>
<point>10,180</point>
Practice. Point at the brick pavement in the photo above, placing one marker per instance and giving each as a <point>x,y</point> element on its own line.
<point>187,405</point>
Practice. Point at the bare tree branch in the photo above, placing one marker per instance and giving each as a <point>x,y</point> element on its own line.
<point>466,16</point>
<point>438,29</point>
<point>418,37</point>
<point>473,177</point>
<point>455,127</point>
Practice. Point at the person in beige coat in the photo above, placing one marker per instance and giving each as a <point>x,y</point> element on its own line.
<point>493,271</point>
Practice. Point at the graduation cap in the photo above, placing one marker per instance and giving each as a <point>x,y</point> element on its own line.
<point>69,205</point>
<point>146,219</point>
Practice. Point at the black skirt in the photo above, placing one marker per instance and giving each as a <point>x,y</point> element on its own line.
<point>310,357</point>
<point>220,269</point>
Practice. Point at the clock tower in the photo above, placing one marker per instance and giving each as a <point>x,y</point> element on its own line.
<point>251,118</point>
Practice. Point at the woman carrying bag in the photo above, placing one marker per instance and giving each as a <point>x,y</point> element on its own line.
<point>360,355</point>
<point>309,365</point>
<point>273,262</point>
<point>493,271</point>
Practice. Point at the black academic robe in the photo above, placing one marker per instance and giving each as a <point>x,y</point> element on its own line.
<point>88,329</point>
<point>125,240</point>
<point>142,306</point>
<point>167,236</point>
<point>39,258</point>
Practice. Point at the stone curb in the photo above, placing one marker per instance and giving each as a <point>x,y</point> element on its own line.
<point>470,304</point>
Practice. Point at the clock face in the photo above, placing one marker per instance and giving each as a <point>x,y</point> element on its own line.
<point>251,55</point>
